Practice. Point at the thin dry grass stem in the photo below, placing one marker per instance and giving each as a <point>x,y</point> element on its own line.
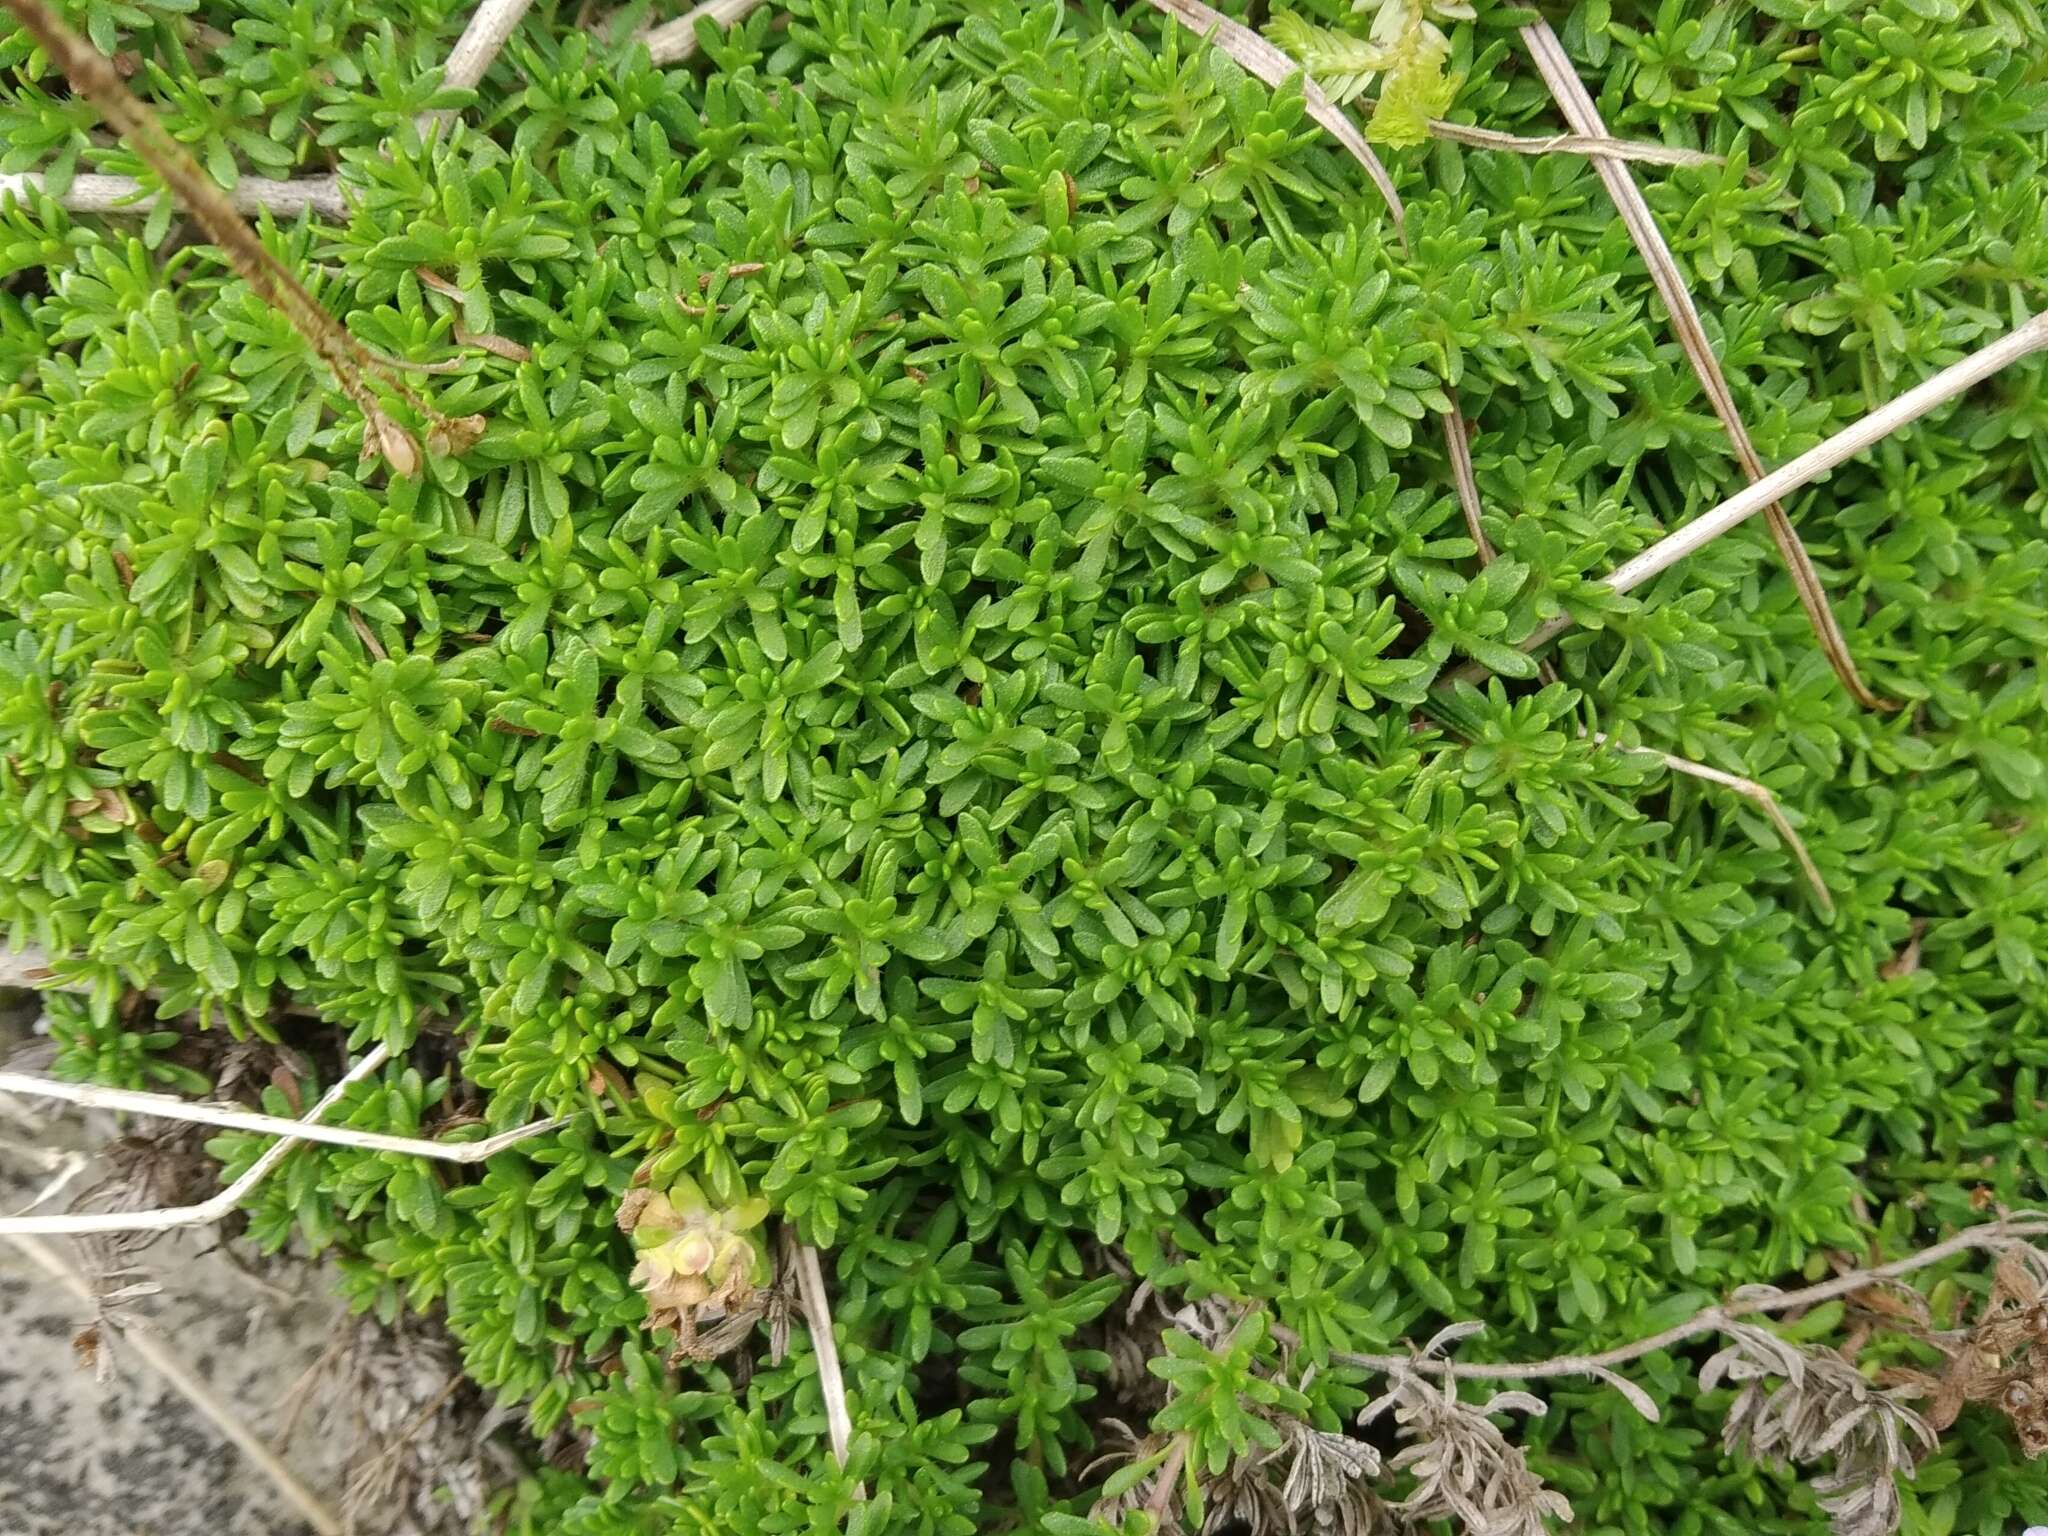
<point>319,195</point>
<point>195,1391</point>
<point>162,1220</point>
<point>1579,110</point>
<point>2008,1230</point>
<point>1266,62</point>
<point>1458,444</point>
<point>2023,341</point>
<point>1893,416</point>
<point>164,1107</point>
<point>1749,789</point>
<point>810,1286</point>
<point>93,75</point>
<point>674,42</point>
<point>1593,146</point>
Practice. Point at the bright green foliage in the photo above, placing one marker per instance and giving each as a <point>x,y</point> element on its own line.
<point>920,708</point>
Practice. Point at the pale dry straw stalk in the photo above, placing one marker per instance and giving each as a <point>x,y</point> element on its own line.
<point>1580,112</point>
<point>675,42</point>
<point>490,26</point>
<point>1750,790</point>
<point>1599,1366</point>
<point>1894,416</point>
<point>162,1220</point>
<point>164,1107</point>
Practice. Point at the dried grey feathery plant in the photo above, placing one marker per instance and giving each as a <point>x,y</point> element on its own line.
<point>1329,1490</point>
<point>1245,1498</point>
<point>152,1166</point>
<point>1800,1405</point>
<point>422,1462</point>
<point>1314,1481</point>
<point>1132,1335</point>
<point>1464,1468</point>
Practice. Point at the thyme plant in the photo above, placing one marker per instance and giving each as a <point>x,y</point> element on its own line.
<point>925,717</point>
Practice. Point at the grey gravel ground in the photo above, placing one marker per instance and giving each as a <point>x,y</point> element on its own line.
<point>130,1456</point>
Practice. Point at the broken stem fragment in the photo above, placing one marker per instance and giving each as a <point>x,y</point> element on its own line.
<point>1751,791</point>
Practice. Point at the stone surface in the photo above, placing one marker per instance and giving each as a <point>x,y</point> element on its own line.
<point>130,1456</point>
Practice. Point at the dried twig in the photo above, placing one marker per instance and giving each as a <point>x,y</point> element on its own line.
<point>490,25</point>
<point>164,1107</point>
<point>1845,445</point>
<point>1579,110</point>
<point>675,41</point>
<point>1749,789</point>
<point>1264,61</point>
<point>810,1285</point>
<point>1593,146</point>
<point>195,1391</point>
<point>1457,443</point>
<point>1990,1234</point>
<point>318,195</point>
<point>208,1210</point>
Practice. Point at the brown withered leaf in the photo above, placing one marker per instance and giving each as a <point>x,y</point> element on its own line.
<point>490,341</point>
<point>452,436</point>
<point>1907,960</point>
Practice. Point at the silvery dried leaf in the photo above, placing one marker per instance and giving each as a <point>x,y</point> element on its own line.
<point>1638,1399</point>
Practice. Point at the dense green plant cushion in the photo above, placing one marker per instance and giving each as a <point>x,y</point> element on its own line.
<point>928,705</point>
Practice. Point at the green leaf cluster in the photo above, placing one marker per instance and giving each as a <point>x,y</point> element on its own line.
<point>929,702</point>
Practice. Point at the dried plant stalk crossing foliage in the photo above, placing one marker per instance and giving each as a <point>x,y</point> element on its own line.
<point>1758,795</point>
<point>1263,61</point>
<point>916,719</point>
<point>675,42</point>
<point>206,1211</point>
<point>1584,117</point>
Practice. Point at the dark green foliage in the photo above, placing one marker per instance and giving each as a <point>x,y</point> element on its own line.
<point>920,706</point>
